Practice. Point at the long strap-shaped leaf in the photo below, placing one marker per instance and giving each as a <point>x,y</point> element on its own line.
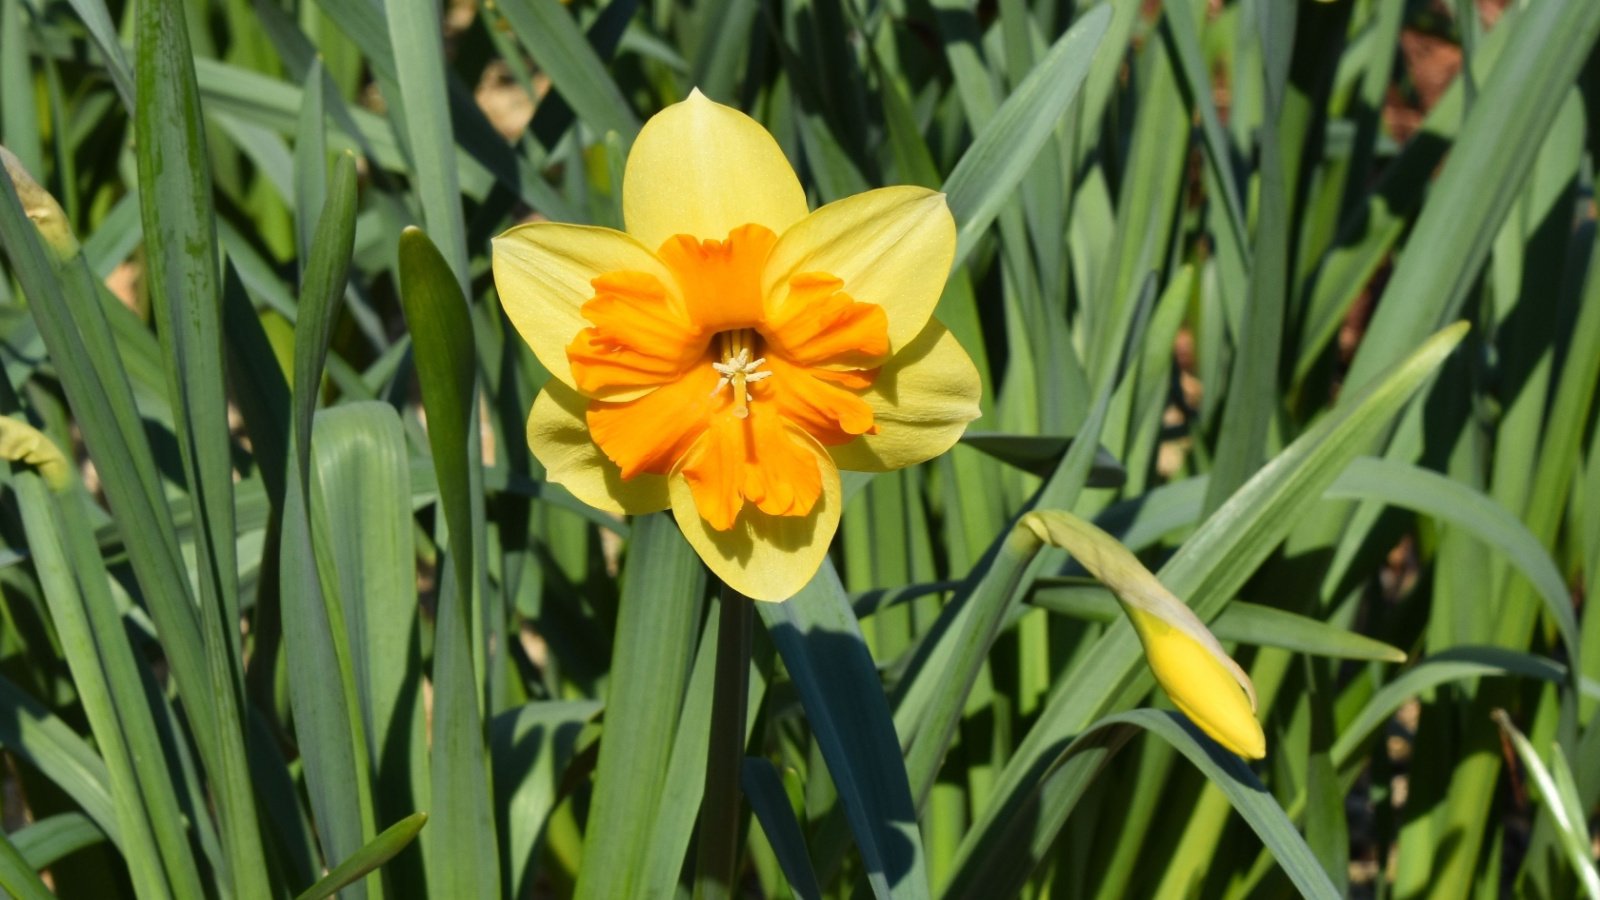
<point>102,661</point>
<point>1402,484</point>
<point>998,159</point>
<point>1070,772</point>
<point>66,305</point>
<point>181,265</point>
<point>663,587</point>
<point>378,851</point>
<point>17,878</point>
<point>332,736</point>
<point>1488,166</point>
<point>461,850</point>
<point>820,642</point>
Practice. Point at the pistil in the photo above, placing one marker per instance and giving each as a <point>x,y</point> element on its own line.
<point>737,368</point>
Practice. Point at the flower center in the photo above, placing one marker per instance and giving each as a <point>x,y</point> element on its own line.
<point>737,369</point>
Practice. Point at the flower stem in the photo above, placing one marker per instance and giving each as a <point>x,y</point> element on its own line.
<point>717,862</point>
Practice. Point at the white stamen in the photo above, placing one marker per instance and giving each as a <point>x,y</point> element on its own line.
<point>738,370</point>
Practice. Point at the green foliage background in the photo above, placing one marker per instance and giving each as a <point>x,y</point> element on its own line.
<point>269,616</point>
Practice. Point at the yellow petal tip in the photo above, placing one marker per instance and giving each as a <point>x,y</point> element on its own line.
<point>1213,694</point>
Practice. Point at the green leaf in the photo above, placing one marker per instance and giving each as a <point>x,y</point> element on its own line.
<point>1240,622</point>
<point>1077,765</point>
<point>1039,454</point>
<point>1404,485</point>
<point>820,642</point>
<point>17,878</point>
<point>1486,170</point>
<point>332,736</point>
<point>999,157</point>
<point>19,115</point>
<point>310,161</point>
<point>375,853</point>
<point>1572,830</point>
<point>44,842</point>
<point>531,746</point>
<point>1454,664</point>
<point>363,468</point>
<point>1253,384</point>
<point>110,685</point>
<point>417,39</point>
<point>29,730</point>
<point>684,789</point>
<point>181,268</point>
<point>462,860</point>
<point>663,590</point>
<point>103,31</point>
<point>936,688</point>
<point>67,305</point>
<point>764,790</point>
<point>559,48</point>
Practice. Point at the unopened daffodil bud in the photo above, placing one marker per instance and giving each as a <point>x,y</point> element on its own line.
<point>22,443</point>
<point>1188,662</point>
<point>40,207</point>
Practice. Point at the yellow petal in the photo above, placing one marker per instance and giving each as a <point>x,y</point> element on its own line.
<point>703,169</point>
<point>543,272</point>
<point>922,400</point>
<point>892,246</point>
<point>764,557</point>
<point>1204,687</point>
<point>559,437</point>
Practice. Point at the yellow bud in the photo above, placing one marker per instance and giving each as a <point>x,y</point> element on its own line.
<point>1188,662</point>
<point>21,442</point>
<point>1206,690</point>
<point>40,207</point>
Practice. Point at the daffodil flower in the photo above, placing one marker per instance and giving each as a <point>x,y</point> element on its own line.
<point>733,350</point>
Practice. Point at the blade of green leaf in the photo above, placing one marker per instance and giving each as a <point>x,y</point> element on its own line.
<point>332,736</point>
<point>66,303</point>
<point>562,52</point>
<point>820,642</point>
<point>310,161</point>
<point>1454,664</point>
<point>19,117</point>
<point>1411,487</point>
<point>1081,761</point>
<point>103,664</point>
<point>181,268</point>
<point>1253,384</point>
<point>1484,174</point>
<point>462,861</point>
<point>375,853</point>
<point>764,789</point>
<point>1239,622</point>
<point>1573,832</point>
<point>1040,454</point>
<point>983,181</point>
<point>51,746</point>
<point>363,467</point>
<point>663,590</point>
<point>44,842</point>
<point>17,878</point>
<point>531,746</point>
<point>415,34</point>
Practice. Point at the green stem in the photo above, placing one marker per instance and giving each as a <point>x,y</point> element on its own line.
<point>720,814</point>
